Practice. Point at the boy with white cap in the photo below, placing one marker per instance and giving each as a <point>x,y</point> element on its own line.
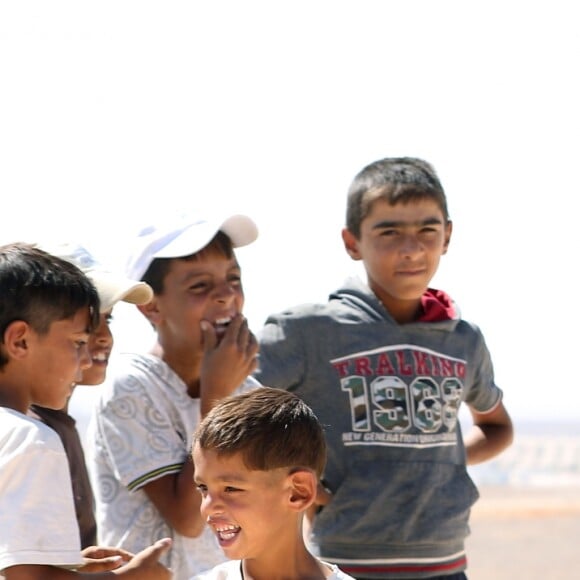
<point>111,288</point>
<point>140,436</point>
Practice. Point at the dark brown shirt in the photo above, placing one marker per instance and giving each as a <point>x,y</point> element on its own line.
<point>65,426</point>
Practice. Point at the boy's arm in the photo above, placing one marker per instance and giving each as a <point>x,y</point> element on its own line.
<point>178,501</point>
<point>492,432</point>
<point>143,566</point>
<point>227,362</point>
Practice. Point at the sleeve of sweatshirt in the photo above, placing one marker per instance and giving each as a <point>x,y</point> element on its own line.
<point>282,355</point>
<point>484,394</point>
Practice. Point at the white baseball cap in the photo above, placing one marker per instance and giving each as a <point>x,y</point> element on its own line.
<point>112,287</point>
<point>184,235</point>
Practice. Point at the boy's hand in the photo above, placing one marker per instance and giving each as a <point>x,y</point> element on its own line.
<point>227,362</point>
<point>103,559</point>
<point>145,564</point>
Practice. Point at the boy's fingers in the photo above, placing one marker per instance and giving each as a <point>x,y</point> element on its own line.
<point>159,548</point>
<point>99,552</point>
<point>246,339</point>
<point>233,330</point>
<point>243,333</point>
<point>92,566</point>
<point>252,347</point>
<point>208,336</point>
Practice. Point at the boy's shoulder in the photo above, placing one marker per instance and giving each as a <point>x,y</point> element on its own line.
<point>141,367</point>
<point>18,431</point>
<point>352,302</point>
<point>132,373</point>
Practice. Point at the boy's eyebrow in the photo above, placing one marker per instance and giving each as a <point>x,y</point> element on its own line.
<point>231,477</point>
<point>201,272</point>
<point>394,224</point>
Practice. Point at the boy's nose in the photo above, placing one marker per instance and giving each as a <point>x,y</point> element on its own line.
<point>225,293</point>
<point>103,335</point>
<point>210,506</point>
<point>85,358</point>
<point>410,245</point>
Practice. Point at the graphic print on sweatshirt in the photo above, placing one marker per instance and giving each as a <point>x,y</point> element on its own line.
<point>401,396</point>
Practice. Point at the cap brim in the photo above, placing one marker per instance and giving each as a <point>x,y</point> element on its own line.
<point>113,288</point>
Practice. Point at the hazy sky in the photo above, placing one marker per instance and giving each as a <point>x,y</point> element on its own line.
<point>111,112</point>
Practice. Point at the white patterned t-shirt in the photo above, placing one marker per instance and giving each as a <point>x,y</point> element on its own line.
<point>141,430</point>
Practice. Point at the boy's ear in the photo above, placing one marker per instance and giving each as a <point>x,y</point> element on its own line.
<point>448,231</point>
<point>16,338</point>
<point>151,311</point>
<point>303,489</point>
<point>351,244</point>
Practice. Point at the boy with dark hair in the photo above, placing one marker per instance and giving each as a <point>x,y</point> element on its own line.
<point>111,288</point>
<point>258,457</point>
<point>140,437</point>
<point>386,365</point>
<point>47,311</point>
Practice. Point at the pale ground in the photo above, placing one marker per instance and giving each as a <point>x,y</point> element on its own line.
<point>525,533</point>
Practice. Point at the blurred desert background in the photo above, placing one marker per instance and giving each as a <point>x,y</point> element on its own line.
<point>526,523</point>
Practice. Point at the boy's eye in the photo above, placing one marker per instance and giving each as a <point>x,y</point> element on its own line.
<point>198,287</point>
<point>429,230</point>
<point>230,489</point>
<point>201,488</point>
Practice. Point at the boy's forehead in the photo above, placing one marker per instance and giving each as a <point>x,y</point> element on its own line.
<point>208,462</point>
<point>79,323</point>
<point>201,263</point>
<point>230,467</point>
<point>409,211</point>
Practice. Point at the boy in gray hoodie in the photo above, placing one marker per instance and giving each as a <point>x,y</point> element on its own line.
<point>385,365</point>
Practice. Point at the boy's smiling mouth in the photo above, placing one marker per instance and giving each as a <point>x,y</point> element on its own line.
<point>221,324</point>
<point>226,534</point>
<point>100,357</point>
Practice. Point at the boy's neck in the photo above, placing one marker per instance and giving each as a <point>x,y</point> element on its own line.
<point>13,397</point>
<point>402,311</point>
<point>8,404</point>
<point>184,364</point>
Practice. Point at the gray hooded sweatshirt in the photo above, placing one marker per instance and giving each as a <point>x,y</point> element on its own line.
<point>388,396</point>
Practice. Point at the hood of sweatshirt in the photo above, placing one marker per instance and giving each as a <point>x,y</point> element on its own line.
<point>437,306</point>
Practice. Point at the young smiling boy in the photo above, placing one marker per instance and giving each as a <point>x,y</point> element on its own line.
<point>47,311</point>
<point>386,365</point>
<point>140,438</point>
<point>111,288</point>
<point>258,457</point>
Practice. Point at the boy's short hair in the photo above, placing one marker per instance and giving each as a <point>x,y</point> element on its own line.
<point>271,428</point>
<point>185,234</point>
<point>396,180</point>
<point>39,289</point>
